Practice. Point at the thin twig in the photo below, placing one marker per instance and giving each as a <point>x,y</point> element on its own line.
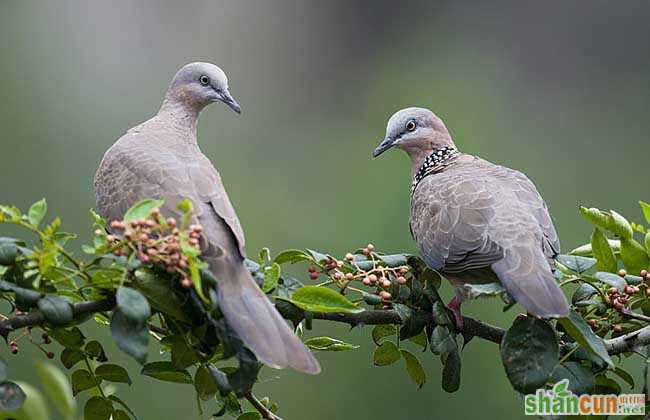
<point>265,412</point>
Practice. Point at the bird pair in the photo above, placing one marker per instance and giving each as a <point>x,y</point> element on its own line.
<point>472,220</point>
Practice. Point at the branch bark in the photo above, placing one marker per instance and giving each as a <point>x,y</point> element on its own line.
<point>37,318</point>
<point>631,342</point>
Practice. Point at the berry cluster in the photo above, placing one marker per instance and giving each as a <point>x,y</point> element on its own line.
<point>157,241</point>
<point>619,299</point>
<point>379,277</point>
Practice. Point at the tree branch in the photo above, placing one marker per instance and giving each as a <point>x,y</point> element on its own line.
<point>471,326</point>
<point>631,342</point>
<point>37,318</point>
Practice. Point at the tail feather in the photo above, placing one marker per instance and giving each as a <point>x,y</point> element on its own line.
<point>526,275</point>
<point>260,326</point>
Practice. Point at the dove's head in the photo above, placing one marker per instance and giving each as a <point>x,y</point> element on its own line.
<point>417,131</point>
<point>197,85</point>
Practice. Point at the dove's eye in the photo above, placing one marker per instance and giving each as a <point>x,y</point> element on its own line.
<point>410,126</point>
<point>204,80</point>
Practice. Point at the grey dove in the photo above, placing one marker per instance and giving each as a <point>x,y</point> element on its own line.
<point>474,221</point>
<point>161,159</point>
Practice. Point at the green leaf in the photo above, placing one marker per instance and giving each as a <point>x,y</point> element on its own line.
<point>96,351</point>
<point>328,344</point>
<point>56,310</point>
<point>292,256</point>
<point>112,373</point>
<point>529,352</point>
<point>583,292</point>
<point>421,340</point>
<point>131,339</point>
<point>82,380</point>
<point>443,341</point>
<point>623,374</point>
<point>12,396</point>
<point>578,329</point>
<point>120,415</point>
<point>204,384</point>
<point>8,252</point>
<point>3,370</point>
<point>581,379</point>
<point>70,357</point>
<point>634,256</point>
<point>133,305</point>
<point>37,212</point>
<point>395,260</point>
<point>611,279</point>
<point>610,221</point>
<point>251,415</point>
<point>414,368</point>
<point>98,408</point>
<point>165,371</point>
<point>142,210</point>
<point>576,263</point>
<point>587,250</point>
<point>603,252</point>
<point>451,373</point>
<point>57,387</point>
<point>322,299</point>
<point>403,311</point>
<point>160,293</point>
<point>646,210</point>
<point>605,385</point>
<point>620,226</point>
<point>122,403</point>
<point>271,277</point>
<point>386,354</point>
<point>72,338</point>
<point>382,331</point>
<point>34,406</point>
<point>183,355</point>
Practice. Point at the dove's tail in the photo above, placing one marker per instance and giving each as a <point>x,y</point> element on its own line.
<point>526,275</point>
<point>260,326</point>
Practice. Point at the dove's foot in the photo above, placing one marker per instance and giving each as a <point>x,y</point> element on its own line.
<point>454,307</point>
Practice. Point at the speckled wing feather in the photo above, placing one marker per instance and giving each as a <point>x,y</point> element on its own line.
<point>475,215</point>
<point>144,165</point>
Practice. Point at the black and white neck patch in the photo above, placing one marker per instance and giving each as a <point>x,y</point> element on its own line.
<point>432,164</point>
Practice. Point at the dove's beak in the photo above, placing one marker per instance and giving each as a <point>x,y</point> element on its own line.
<point>386,144</point>
<point>226,98</point>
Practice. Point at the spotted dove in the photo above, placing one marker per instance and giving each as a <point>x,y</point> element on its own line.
<point>474,221</point>
<point>160,158</point>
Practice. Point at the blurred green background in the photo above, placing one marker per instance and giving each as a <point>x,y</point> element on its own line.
<point>559,90</point>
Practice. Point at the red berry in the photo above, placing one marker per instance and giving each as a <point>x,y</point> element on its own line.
<point>349,257</point>
<point>629,290</point>
<point>366,281</point>
<point>50,355</point>
<point>622,272</point>
<point>372,278</point>
<point>14,350</point>
<point>186,282</point>
<point>385,295</point>
<point>311,269</point>
<point>401,280</point>
<point>370,247</point>
<point>643,273</point>
<point>313,275</point>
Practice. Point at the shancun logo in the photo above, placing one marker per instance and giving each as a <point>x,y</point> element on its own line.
<point>561,401</point>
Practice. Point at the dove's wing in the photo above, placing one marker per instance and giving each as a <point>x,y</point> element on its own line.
<point>476,215</point>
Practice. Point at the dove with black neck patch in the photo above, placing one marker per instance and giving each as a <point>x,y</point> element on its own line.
<point>474,221</point>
